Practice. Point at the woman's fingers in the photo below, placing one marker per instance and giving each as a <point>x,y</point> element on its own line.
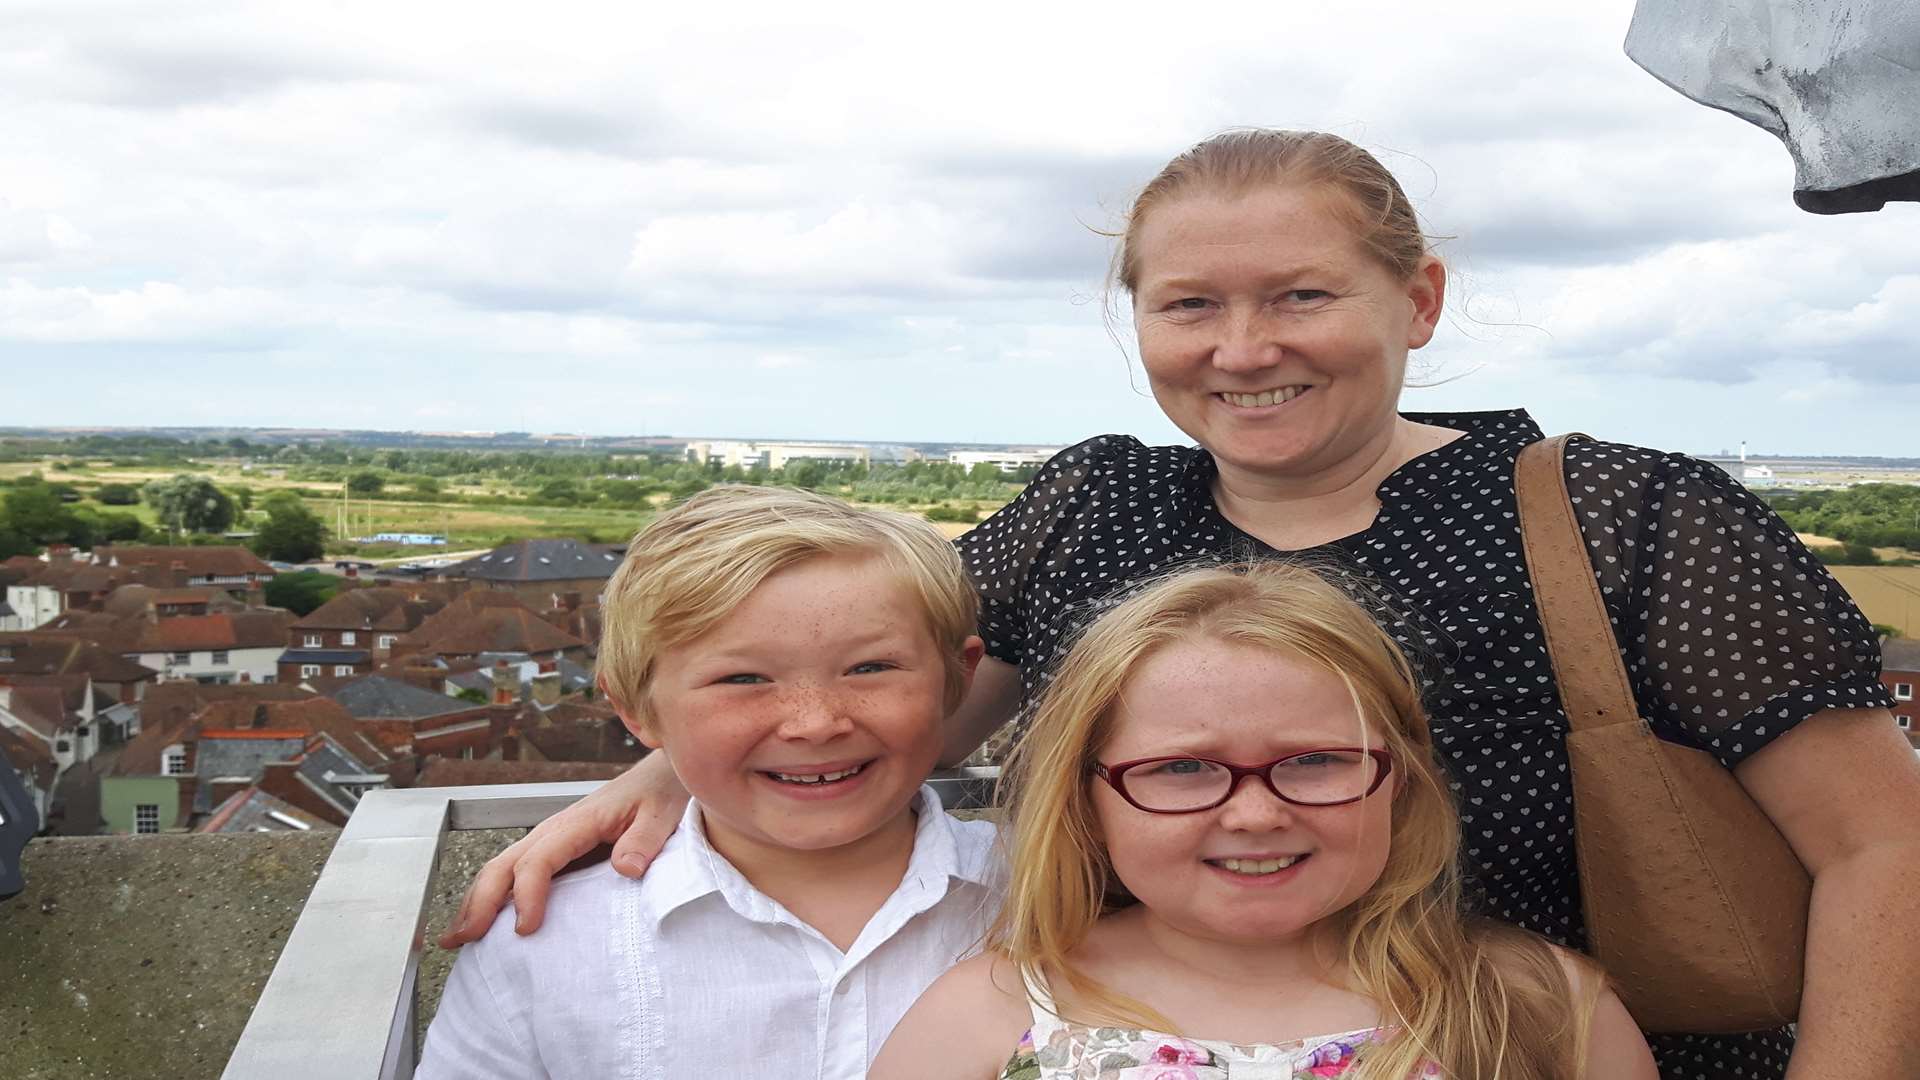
<point>485,897</point>
<point>646,835</point>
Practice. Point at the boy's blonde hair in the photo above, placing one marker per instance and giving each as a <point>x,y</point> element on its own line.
<point>1484,1002</point>
<point>691,566</point>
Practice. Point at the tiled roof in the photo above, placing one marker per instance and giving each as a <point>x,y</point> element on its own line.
<point>379,697</point>
<point>376,608</point>
<point>449,772</point>
<point>63,652</point>
<point>538,560</point>
<point>42,708</point>
<point>487,621</point>
<point>224,561</point>
<point>581,735</point>
<point>257,628</point>
<point>143,599</point>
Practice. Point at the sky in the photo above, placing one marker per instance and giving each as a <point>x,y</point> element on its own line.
<point>879,222</point>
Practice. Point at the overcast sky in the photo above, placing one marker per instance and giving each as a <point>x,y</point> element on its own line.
<point>873,222</point>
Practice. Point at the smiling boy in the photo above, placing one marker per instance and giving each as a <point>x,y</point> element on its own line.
<point>793,657</point>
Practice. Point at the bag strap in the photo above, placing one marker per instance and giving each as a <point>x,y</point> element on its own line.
<point>1586,658</point>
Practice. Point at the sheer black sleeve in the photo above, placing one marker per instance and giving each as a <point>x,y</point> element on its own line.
<point>1002,551</point>
<point>1732,631</point>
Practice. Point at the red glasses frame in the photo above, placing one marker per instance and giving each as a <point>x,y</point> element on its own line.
<point>1115,776</point>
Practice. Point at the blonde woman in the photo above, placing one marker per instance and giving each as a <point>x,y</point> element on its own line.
<point>1233,854</point>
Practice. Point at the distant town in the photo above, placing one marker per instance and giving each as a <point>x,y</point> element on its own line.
<point>246,630</point>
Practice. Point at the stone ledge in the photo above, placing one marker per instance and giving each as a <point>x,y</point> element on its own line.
<point>142,956</point>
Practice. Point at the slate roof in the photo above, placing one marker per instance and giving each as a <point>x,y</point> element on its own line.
<point>232,753</point>
<point>325,656</point>
<point>252,810</point>
<point>380,697</point>
<point>1900,654</point>
<point>538,560</point>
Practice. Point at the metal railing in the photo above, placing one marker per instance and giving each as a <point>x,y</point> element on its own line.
<point>341,1001</point>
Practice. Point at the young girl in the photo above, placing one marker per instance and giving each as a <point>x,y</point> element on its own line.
<point>1234,856</point>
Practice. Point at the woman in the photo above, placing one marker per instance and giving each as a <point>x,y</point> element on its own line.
<point>1278,281</point>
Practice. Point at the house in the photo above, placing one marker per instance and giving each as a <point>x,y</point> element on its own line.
<point>62,653</point>
<point>1900,672</point>
<point>228,568</point>
<point>407,719</point>
<point>54,711</point>
<point>230,646</point>
<point>307,752</point>
<point>575,731</point>
<point>482,621</point>
<point>45,589</point>
<point>354,632</point>
<point>540,572</point>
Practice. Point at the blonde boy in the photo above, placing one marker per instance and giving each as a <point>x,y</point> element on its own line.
<point>793,657</point>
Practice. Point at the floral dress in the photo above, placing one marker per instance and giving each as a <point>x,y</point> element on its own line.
<point>1055,1049</point>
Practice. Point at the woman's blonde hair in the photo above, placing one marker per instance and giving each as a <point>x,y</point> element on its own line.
<point>1234,162</point>
<point>692,565</point>
<point>1485,1002</point>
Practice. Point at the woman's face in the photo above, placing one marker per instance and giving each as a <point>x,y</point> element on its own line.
<point>1212,874</point>
<point>1269,334</point>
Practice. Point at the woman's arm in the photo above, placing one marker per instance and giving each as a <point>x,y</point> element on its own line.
<point>1844,788</point>
<point>965,1027</point>
<point>989,703</point>
<point>635,812</point>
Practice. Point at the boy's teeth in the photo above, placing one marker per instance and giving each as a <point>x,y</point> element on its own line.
<point>1259,866</point>
<point>816,778</point>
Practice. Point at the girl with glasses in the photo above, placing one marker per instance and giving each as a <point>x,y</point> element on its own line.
<point>1233,856</point>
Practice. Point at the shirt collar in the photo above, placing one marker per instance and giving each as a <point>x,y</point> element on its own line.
<point>688,868</point>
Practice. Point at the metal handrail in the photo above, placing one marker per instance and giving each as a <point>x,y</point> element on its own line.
<point>341,1001</point>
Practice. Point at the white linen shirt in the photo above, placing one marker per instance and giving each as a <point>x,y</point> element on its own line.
<point>692,972</point>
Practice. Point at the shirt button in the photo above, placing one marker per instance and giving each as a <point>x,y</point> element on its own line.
<point>841,990</point>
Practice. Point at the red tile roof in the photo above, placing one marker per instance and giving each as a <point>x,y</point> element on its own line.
<point>257,628</point>
<point>377,608</point>
<point>487,621</point>
<point>223,561</point>
<point>38,652</point>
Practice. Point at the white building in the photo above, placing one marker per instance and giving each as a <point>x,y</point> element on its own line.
<point>1007,460</point>
<point>764,455</point>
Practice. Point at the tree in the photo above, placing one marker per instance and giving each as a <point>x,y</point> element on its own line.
<point>37,515</point>
<point>985,472</point>
<point>190,504</point>
<point>117,494</point>
<point>366,483</point>
<point>114,527</point>
<point>424,487</point>
<point>805,473</point>
<point>291,533</point>
<point>558,491</point>
<point>303,591</point>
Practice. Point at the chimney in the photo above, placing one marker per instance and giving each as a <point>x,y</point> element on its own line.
<point>570,601</point>
<point>260,718</point>
<point>60,553</point>
<point>506,683</point>
<point>246,676</point>
<point>510,748</point>
<point>546,688</point>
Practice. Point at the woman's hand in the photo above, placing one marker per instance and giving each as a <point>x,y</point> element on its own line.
<point>635,812</point>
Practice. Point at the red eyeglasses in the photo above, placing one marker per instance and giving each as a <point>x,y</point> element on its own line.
<point>1185,785</point>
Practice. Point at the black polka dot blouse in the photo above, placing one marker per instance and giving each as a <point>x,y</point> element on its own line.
<point>1731,631</point>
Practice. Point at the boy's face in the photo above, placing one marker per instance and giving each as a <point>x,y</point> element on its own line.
<point>808,717</point>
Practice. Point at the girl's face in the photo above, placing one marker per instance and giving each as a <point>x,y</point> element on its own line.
<point>1212,874</point>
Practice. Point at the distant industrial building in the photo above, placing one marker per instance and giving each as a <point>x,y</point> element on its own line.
<point>1007,460</point>
<point>763,455</point>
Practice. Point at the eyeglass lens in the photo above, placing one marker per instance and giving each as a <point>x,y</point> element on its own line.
<point>1330,776</point>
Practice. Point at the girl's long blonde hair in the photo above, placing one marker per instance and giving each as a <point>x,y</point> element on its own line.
<point>1484,1001</point>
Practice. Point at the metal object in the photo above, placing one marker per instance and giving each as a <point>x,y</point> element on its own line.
<point>1837,81</point>
<point>18,822</point>
<point>341,1001</point>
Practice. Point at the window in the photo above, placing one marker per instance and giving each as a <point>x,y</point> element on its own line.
<point>62,747</point>
<point>343,669</point>
<point>82,730</point>
<point>311,641</point>
<point>220,656</point>
<point>385,641</point>
<point>174,761</point>
<point>146,818</point>
<point>1903,691</point>
<point>181,658</point>
<point>348,637</point>
<point>1905,722</point>
<point>307,670</point>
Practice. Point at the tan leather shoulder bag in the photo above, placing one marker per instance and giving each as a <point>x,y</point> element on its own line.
<point>1695,904</point>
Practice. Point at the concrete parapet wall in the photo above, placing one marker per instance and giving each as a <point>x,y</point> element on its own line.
<point>143,955</point>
